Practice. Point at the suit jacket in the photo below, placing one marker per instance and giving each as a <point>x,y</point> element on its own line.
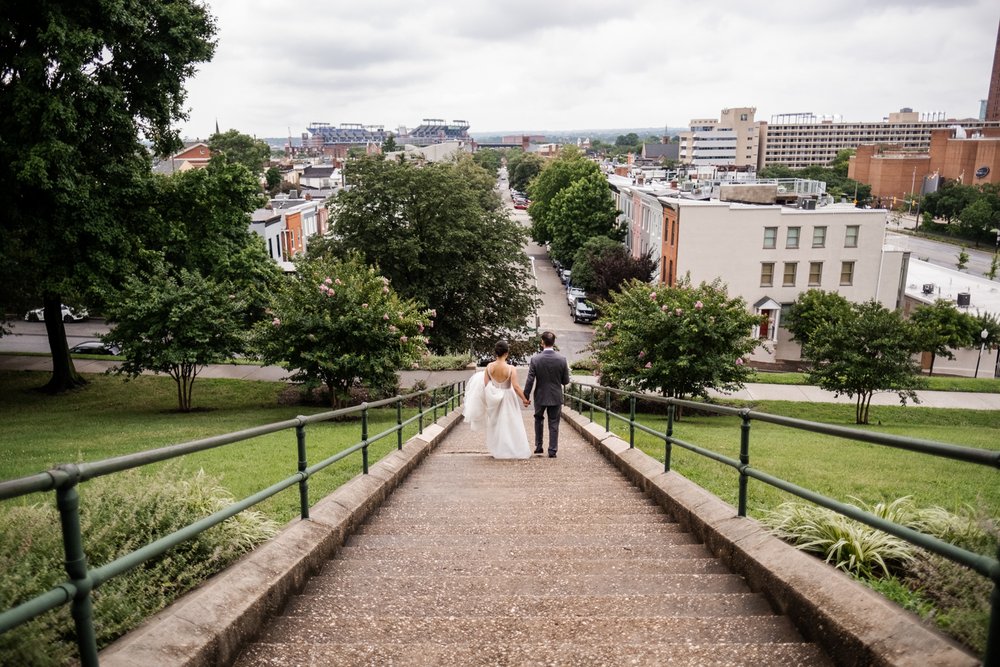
<point>547,373</point>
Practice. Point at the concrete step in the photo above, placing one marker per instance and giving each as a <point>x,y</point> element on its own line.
<point>517,542</point>
<point>531,583</point>
<point>487,604</point>
<point>468,512</point>
<point>526,526</point>
<point>423,553</point>
<point>592,630</point>
<point>446,564</point>
<point>522,651</point>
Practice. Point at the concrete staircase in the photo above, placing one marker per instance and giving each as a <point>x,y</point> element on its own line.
<point>560,561</point>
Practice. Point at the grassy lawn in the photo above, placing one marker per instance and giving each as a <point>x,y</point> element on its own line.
<point>932,383</point>
<point>835,467</point>
<point>111,417</point>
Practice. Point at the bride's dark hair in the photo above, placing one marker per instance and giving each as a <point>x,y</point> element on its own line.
<point>501,348</point>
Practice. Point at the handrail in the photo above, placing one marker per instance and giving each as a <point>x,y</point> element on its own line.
<point>65,480</point>
<point>983,565</point>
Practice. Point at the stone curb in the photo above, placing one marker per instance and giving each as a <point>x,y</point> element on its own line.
<point>852,623</point>
<point>213,623</point>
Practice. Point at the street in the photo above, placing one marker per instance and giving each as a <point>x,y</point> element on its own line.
<point>31,336</point>
<point>936,252</point>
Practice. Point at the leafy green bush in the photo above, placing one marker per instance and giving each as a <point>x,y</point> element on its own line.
<point>118,514</point>
<point>454,362</point>
<point>584,364</point>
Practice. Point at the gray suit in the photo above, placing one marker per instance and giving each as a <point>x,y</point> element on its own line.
<point>547,373</point>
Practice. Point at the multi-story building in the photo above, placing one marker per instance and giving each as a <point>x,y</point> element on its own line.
<point>732,141</point>
<point>336,141</point>
<point>287,224</point>
<point>802,140</point>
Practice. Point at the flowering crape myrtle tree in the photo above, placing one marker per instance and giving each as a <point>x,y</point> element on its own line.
<point>678,341</point>
<point>339,323</point>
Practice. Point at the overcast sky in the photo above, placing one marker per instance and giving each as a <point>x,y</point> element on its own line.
<point>585,64</point>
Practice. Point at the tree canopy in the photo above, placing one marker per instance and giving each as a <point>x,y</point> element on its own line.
<point>442,237</point>
<point>941,327</point>
<point>603,265</point>
<point>813,308</point>
<point>340,324</point>
<point>522,168</point>
<point>241,149</point>
<point>866,352</point>
<point>82,86</point>
<point>678,341</point>
<point>489,159</point>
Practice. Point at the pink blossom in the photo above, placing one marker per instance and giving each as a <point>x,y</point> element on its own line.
<point>323,288</point>
<point>403,339</point>
<point>337,281</point>
<point>364,305</point>
<point>652,295</point>
<point>608,325</point>
<point>331,292</point>
<point>678,311</point>
<point>385,290</point>
<point>648,365</point>
<point>642,354</point>
<point>739,361</point>
<point>385,281</point>
<point>664,307</point>
<point>385,316</point>
<point>392,328</point>
<point>434,313</point>
<point>430,324</point>
<point>420,328</point>
<point>698,305</point>
<point>276,322</point>
<point>328,281</point>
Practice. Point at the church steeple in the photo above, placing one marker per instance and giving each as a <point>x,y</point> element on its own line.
<point>217,126</point>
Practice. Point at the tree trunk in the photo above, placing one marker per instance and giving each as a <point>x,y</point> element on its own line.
<point>931,370</point>
<point>64,375</point>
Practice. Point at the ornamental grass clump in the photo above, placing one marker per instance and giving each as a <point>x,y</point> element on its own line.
<point>118,514</point>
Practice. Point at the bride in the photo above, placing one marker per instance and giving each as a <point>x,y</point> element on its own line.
<point>493,396</point>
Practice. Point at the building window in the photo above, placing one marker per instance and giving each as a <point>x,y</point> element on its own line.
<point>788,280</point>
<point>851,236</point>
<point>815,273</point>
<point>847,273</point>
<point>792,239</point>
<point>770,237</point>
<point>819,237</point>
<point>767,274</point>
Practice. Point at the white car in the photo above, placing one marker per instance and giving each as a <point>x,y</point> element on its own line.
<point>571,294</point>
<point>68,315</point>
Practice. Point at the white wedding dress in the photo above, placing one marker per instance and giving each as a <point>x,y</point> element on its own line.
<point>495,405</point>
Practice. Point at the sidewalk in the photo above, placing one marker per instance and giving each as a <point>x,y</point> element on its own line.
<point>750,392</point>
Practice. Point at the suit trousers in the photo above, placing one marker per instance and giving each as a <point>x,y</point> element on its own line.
<point>554,412</point>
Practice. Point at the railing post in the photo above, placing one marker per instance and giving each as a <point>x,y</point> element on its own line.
<point>420,413</point>
<point>992,654</point>
<point>631,421</point>
<point>591,402</point>
<point>300,438</point>
<point>399,422</point>
<point>434,403</point>
<point>668,446</point>
<point>744,461</point>
<point>607,410</point>
<point>364,438</point>
<point>82,609</point>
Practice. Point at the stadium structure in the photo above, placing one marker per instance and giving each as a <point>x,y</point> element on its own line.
<point>336,139</point>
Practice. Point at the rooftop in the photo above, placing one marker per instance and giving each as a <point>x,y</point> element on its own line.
<point>945,283</point>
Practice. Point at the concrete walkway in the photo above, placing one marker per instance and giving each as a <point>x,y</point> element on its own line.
<point>751,392</point>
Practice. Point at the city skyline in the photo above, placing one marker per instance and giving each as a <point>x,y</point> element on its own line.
<point>564,66</point>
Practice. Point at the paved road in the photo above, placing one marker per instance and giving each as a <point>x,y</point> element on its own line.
<point>936,252</point>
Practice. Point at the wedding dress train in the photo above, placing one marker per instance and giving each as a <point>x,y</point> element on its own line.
<point>495,405</point>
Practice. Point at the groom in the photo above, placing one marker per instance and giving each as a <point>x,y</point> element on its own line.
<point>550,371</point>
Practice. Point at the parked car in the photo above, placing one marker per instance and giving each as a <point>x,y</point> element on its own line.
<point>95,347</point>
<point>583,312</point>
<point>521,204</point>
<point>571,296</point>
<point>565,275</point>
<point>68,315</point>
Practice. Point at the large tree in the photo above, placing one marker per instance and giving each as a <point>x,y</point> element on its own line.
<point>82,85</point>
<point>241,149</point>
<point>679,341</point>
<point>866,352</point>
<point>579,212</point>
<point>522,168</point>
<point>557,175</point>
<point>813,308</point>
<point>441,235</point>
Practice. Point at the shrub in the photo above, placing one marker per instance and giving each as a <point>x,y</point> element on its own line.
<point>584,364</point>
<point>454,362</point>
<point>118,514</point>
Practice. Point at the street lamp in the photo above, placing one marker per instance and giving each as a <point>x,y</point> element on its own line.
<point>984,334</point>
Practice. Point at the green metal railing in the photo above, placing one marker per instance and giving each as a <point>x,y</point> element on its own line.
<point>65,480</point>
<point>583,396</point>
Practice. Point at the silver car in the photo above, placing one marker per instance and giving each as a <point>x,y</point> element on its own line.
<point>68,315</point>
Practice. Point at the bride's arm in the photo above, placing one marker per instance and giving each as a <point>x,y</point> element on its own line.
<point>517,385</point>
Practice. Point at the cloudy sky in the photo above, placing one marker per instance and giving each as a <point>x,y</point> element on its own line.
<point>585,64</point>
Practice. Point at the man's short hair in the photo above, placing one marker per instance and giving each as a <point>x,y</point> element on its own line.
<point>548,338</point>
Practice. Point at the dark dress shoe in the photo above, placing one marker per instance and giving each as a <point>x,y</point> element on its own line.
<point>538,450</point>
<point>552,455</point>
